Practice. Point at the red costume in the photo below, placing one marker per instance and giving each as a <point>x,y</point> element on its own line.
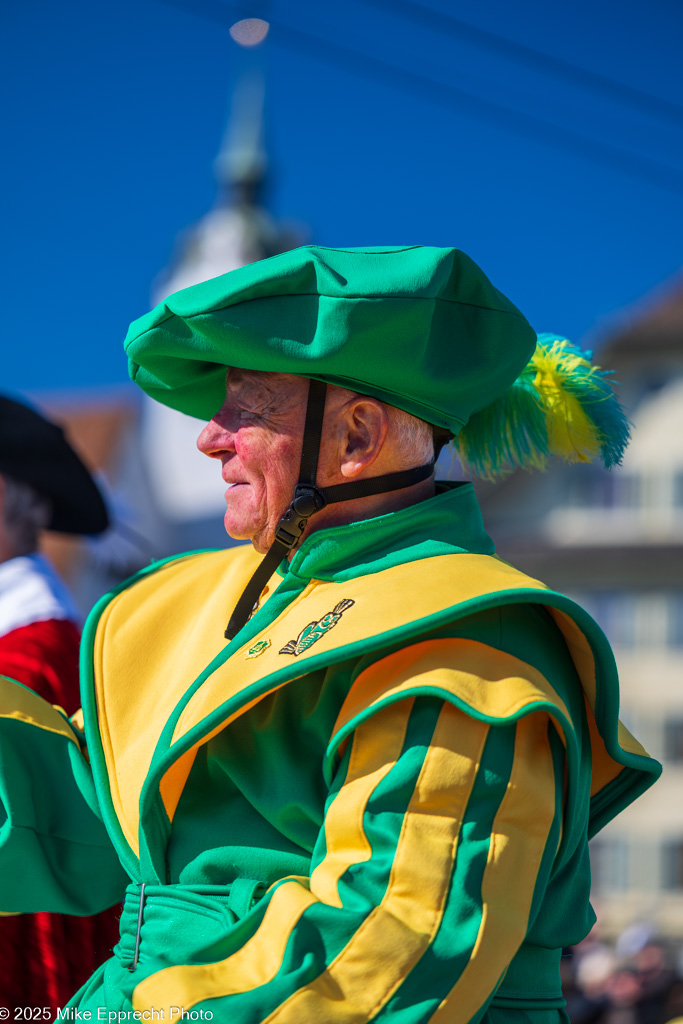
<point>44,958</point>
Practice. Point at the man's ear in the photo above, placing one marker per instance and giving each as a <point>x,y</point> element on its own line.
<point>366,425</point>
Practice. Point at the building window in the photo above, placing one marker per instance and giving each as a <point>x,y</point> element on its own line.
<point>628,491</point>
<point>615,612</point>
<point>673,740</point>
<point>609,865</point>
<point>590,486</point>
<point>672,864</point>
<point>649,618</point>
<point>676,619</point>
<point>678,490</point>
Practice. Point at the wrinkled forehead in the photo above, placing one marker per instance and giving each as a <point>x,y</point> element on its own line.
<point>263,385</point>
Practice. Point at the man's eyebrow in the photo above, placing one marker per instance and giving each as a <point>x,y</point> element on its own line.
<point>250,386</point>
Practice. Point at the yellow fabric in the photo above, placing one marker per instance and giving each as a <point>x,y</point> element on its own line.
<point>490,681</point>
<point>519,837</point>
<point>376,748</point>
<point>77,720</point>
<point>16,701</point>
<point>256,963</point>
<point>405,922</point>
<point>604,767</point>
<point>393,936</point>
<point>147,644</point>
<point>382,601</point>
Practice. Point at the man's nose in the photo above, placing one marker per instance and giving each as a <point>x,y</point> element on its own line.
<point>215,439</point>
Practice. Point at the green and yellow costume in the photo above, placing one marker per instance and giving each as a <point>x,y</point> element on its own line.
<point>374,802</point>
<point>373,827</point>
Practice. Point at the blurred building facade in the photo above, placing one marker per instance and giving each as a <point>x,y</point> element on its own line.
<point>614,541</point>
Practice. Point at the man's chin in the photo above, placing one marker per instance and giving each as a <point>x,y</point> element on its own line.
<point>241,531</point>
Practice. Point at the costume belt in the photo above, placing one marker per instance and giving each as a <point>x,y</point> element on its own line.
<point>192,919</point>
<point>532,981</point>
<point>162,925</point>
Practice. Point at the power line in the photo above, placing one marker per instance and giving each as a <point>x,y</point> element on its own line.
<point>459,100</point>
<point>555,66</point>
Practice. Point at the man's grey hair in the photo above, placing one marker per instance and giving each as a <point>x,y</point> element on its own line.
<point>25,513</point>
<point>413,437</point>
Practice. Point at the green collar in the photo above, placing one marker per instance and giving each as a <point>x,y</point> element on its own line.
<point>448,523</point>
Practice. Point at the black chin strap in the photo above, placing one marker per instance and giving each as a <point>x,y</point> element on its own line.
<point>309,499</point>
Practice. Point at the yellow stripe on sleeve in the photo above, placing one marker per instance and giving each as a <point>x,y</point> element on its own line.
<point>518,841</point>
<point>256,963</point>
<point>395,934</point>
<point>375,750</point>
<point>393,937</point>
<point>377,745</point>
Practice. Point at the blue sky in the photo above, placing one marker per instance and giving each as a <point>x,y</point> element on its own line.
<point>382,129</point>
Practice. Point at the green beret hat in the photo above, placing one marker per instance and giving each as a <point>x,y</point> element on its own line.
<point>419,327</point>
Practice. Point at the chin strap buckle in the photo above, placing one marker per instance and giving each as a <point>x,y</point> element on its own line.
<point>307,500</point>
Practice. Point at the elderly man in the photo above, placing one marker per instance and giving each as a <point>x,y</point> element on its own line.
<point>374,801</point>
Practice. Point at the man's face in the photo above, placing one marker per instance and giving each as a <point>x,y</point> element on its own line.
<point>257,437</point>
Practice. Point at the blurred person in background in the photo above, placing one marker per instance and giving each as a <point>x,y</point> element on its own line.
<point>634,981</point>
<point>43,485</point>
<point>586,975</point>
<point>645,988</point>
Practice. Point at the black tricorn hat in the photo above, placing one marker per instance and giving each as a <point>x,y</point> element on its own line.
<point>35,451</point>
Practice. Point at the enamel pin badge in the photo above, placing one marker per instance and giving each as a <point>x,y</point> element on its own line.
<point>257,648</point>
<point>313,632</point>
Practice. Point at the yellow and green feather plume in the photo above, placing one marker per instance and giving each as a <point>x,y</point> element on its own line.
<point>560,405</point>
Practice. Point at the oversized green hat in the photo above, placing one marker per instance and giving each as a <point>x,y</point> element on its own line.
<point>419,327</point>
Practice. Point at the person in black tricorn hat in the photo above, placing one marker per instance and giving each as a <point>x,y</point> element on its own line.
<point>43,485</point>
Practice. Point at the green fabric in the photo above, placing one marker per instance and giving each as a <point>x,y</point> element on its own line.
<point>49,819</point>
<point>190,925</point>
<point>260,792</point>
<point>260,782</point>
<point>449,522</point>
<point>421,328</point>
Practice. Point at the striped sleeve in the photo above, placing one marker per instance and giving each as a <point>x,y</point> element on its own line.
<point>439,834</point>
<point>55,854</point>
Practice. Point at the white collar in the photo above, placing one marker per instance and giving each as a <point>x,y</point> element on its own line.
<point>31,591</point>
